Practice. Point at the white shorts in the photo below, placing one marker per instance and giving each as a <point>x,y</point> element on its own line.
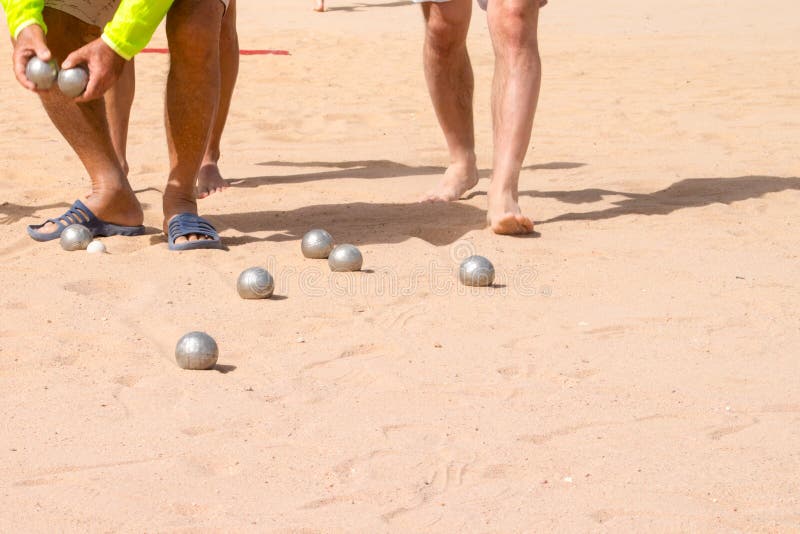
<point>95,12</point>
<point>482,3</point>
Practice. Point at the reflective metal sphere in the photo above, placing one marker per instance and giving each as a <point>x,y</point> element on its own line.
<point>42,73</point>
<point>255,283</point>
<point>96,247</point>
<point>476,271</point>
<point>196,351</point>
<point>75,237</point>
<point>317,244</point>
<point>72,82</point>
<point>345,258</point>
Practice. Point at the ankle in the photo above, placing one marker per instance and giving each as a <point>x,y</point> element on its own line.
<point>502,188</point>
<point>113,189</point>
<point>463,159</point>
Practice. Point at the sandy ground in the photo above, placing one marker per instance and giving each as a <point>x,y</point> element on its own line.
<point>635,369</point>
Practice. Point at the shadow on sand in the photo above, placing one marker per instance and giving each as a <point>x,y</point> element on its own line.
<point>366,170</point>
<point>443,224</point>
<point>359,222</point>
<point>11,213</point>
<point>689,193</point>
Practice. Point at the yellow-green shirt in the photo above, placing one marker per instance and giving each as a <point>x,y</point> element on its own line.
<point>127,34</point>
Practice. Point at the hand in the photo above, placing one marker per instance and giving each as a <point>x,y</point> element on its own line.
<point>30,42</point>
<point>104,66</point>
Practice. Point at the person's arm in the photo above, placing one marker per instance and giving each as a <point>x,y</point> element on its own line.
<point>23,13</point>
<point>27,29</point>
<point>133,25</point>
<point>126,35</point>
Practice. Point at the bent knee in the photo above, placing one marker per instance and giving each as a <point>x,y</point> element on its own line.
<point>445,36</point>
<point>194,21</point>
<point>515,21</point>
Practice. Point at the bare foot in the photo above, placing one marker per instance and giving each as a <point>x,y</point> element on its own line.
<point>504,215</point>
<point>174,205</point>
<point>319,6</point>
<point>112,206</point>
<point>457,180</point>
<point>210,181</point>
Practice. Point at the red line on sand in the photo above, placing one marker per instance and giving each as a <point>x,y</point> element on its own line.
<point>241,52</point>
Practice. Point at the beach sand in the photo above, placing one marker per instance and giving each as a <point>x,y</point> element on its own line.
<point>635,369</point>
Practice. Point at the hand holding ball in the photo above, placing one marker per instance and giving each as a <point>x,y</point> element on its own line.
<point>72,82</point>
<point>41,73</point>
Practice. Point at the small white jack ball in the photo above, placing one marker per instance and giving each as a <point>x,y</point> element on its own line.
<point>317,244</point>
<point>72,82</point>
<point>345,258</point>
<point>476,271</point>
<point>75,237</point>
<point>196,351</point>
<point>96,247</point>
<point>255,283</point>
<point>41,73</point>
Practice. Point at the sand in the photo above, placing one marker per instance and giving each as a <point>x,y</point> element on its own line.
<point>636,369</point>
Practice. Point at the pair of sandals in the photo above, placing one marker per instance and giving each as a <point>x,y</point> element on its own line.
<point>181,225</point>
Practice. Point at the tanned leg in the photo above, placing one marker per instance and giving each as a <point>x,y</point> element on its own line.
<point>515,93</point>
<point>193,91</point>
<point>448,72</point>
<point>85,128</point>
<point>209,179</point>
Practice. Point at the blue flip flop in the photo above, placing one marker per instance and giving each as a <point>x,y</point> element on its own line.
<point>185,224</point>
<point>80,214</point>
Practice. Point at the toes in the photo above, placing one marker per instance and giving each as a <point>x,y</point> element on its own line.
<point>525,223</point>
<point>511,224</point>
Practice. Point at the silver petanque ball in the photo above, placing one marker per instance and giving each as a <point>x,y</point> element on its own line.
<point>196,351</point>
<point>255,283</point>
<point>72,82</point>
<point>345,258</point>
<point>476,271</point>
<point>42,73</point>
<point>75,237</point>
<point>317,244</point>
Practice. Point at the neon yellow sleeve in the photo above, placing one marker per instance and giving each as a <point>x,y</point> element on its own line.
<point>133,25</point>
<point>22,13</point>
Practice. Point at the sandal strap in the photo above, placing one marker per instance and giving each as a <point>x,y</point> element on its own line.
<point>187,224</point>
<point>76,214</point>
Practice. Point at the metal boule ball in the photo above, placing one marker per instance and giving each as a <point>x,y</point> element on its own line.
<point>476,271</point>
<point>345,258</point>
<point>196,351</point>
<point>317,244</point>
<point>96,247</point>
<point>72,82</point>
<point>75,237</point>
<point>255,283</point>
<point>41,73</point>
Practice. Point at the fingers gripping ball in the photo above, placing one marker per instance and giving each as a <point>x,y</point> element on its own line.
<point>72,82</point>
<point>196,351</point>
<point>41,73</point>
